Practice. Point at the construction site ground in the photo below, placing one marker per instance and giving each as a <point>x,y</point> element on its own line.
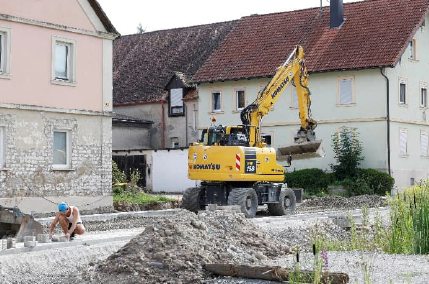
<point>170,246</point>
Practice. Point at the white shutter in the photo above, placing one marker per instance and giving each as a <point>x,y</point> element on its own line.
<point>346,94</point>
<point>176,97</point>
<point>424,143</point>
<point>403,142</point>
<point>294,99</point>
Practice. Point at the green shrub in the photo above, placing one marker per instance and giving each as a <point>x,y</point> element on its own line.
<point>357,186</point>
<point>313,181</point>
<point>118,176</point>
<point>380,183</point>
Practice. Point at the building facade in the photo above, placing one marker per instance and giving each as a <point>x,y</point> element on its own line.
<point>368,74</point>
<point>55,104</point>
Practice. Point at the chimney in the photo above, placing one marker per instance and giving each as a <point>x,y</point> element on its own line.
<point>337,13</point>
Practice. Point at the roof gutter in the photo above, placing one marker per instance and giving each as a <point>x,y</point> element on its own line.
<point>387,117</point>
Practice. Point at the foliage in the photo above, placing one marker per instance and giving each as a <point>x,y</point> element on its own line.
<point>313,181</point>
<point>410,223</point>
<point>118,176</point>
<point>140,198</point>
<point>380,183</point>
<point>140,28</point>
<point>348,153</point>
<point>356,186</point>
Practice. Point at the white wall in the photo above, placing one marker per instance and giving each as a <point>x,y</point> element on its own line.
<point>169,171</point>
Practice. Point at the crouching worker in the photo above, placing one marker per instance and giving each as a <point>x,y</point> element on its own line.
<point>69,219</point>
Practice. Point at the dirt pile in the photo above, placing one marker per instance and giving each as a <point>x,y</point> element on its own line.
<point>173,250</point>
<point>339,202</point>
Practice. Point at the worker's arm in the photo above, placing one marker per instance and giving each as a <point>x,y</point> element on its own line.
<point>75,218</point>
<point>53,224</point>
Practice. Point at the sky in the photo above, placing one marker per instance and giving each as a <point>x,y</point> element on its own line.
<point>155,15</point>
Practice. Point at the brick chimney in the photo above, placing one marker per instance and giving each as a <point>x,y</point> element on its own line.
<point>337,13</point>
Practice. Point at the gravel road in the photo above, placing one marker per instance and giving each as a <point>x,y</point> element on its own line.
<point>65,264</point>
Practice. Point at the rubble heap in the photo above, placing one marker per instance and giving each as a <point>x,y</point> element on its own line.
<point>173,250</point>
<point>338,202</point>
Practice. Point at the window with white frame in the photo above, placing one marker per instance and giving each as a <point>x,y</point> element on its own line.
<point>176,102</point>
<point>345,91</point>
<point>412,49</point>
<point>4,50</point>
<point>403,141</point>
<point>423,96</point>
<point>2,148</point>
<point>63,60</point>
<point>424,143</point>
<point>240,99</point>
<point>402,92</point>
<point>61,149</point>
<point>216,101</point>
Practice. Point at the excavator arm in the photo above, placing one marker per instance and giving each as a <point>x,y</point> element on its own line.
<point>292,71</point>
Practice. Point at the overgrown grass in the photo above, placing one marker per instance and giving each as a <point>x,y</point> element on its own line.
<point>140,198</point>
<point>409,232</point>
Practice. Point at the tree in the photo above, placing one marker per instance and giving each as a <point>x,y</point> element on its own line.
<point>348,153</point>
<point>140,29</point>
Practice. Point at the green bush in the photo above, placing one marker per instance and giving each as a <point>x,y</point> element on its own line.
<point>380,183</point>
<point>313,181</point>
<point>118,176</point>
<point>356,187</point>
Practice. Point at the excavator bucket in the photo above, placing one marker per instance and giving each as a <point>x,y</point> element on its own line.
<point>14,223</point>
<point>301,151</point>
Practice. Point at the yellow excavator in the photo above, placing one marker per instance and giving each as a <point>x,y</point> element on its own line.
<point>234,163</point>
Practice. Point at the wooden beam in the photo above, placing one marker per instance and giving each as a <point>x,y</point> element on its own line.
<point>273,273</point>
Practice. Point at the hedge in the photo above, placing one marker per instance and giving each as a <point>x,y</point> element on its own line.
<point>313,181</point>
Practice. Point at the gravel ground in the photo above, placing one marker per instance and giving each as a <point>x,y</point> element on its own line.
<point>172,249</point>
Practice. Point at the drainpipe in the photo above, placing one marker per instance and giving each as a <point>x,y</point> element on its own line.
<point>186,124</point>
<point>163,125</point>
<point>388,117</point>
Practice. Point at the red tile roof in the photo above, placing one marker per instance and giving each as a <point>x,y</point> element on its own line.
<point>375,34</point>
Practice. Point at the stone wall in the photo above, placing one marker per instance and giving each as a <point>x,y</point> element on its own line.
<point>28,173</point>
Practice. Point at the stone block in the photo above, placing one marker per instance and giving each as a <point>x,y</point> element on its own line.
<point>11,243</point>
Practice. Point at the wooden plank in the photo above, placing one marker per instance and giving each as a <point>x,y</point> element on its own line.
<point>273,273</point>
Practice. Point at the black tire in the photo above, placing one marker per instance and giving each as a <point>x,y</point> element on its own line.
<point>246,198</point>
<point>191,199</point>
<point>286,204</point>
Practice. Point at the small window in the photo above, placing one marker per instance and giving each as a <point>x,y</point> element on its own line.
<point>176,102</point>
<point>4,50</point>
<point>402,93</point>
<point>241,99</point>
<point>424,143</point>
<point>174,142</point>
<point>63,60</point>
<point>412,49</point>
<point>2,148</point>
<point>346,91</point>
<point>61,148</point>
<point>403,140</point>
<point>423,97</point>
<point>216,101</point>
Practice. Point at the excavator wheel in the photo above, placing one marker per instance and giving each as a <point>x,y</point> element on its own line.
<point>246,198</point>
<point>286,204</point>
<point>191,199</point>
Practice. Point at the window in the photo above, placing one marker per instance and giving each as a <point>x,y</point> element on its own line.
<point>424,143</point>
<point>4,50</point>
<point>63,60</point>
<point>241,99</point>
<point>403,137</point>
<point>345,91</point>
<point>216,101</point>
<point>402,93</point>
<point>2,148</point>
<point>176,102</point>
<point>61,147</point>
<point>423,97</point>
<point>412,49</point>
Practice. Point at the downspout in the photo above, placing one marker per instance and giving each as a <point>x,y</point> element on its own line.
<point>163,125</point>
<point>387,117</point>
<point>186,124</point>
